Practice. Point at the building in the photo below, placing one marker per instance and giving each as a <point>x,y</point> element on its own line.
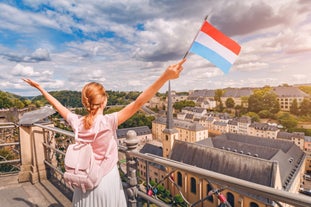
<point>263,130</point>
<point>143,134</point>
<point>296,137</point>
<point>270,162</point>
<point>274,163</point>
<point>286,96</point>
<point>156,172</point>
<point>187,130</point>
<point>237,94</point>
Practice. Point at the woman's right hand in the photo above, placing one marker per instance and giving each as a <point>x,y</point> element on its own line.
<point>173,71</point>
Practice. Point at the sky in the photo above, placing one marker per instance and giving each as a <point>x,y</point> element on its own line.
<point>127,44</point>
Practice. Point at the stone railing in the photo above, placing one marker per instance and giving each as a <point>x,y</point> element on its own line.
<point>43,147</point>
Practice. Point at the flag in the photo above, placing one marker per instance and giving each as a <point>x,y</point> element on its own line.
<point>216,47</point>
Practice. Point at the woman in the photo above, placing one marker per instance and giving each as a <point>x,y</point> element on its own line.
<point>109,192</point>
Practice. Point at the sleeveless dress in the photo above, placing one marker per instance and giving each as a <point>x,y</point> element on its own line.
<point>109,192</point>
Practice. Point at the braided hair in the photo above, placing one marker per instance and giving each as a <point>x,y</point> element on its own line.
<point>93,95</point>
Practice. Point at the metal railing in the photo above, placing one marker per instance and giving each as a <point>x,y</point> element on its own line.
<point>9,148</point>
<point>55,151</point>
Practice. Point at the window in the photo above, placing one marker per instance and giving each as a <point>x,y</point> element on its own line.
<point>193,187</point>
<point>209,188</point>
<point>252,204</point>
<point>179,179</point>
<point>166,137</point>
<point>230,198</point>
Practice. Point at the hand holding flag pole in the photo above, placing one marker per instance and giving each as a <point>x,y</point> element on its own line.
<point>214,46</point>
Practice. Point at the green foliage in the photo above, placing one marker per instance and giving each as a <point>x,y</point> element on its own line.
<point>306,89</point>
<point>305,107</point>
<point>121,98</point>
<point>138,119</point>
<point>263,99</point>
<point>265,114</point>
<point>6,155</point>
<point>181,104</point>
<point>287,120</point>
<point>230,103</point>
<point>8,100</point>
<point>294,107</point>
<point>67,98</point>
<point>218,94</point>
<point>179,201</point>
<point>152,183</point>
<point>307,132</point>
<point>254,117</point>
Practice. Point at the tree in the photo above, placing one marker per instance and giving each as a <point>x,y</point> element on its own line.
<point>287,120</point>
<point>181,104</point>
<point>294,107</point>
<point>305,107</point>
<point>5,101</point>
<point>254,116</point>
<point>218,94</point>
<point>263,99</point>
<point>265,114</point>
<point>230,103</point>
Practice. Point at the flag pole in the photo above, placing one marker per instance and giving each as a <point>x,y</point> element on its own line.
<point>186,54</point>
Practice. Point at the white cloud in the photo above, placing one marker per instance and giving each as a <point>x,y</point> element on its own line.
<point>68,43</point>
<point>21,70</point>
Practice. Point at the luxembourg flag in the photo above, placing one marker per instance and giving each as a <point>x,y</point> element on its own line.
<point>216,47</point>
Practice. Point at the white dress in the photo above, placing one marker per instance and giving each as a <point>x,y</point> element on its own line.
<point>109,193</point>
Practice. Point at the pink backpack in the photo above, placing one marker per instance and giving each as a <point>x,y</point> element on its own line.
<point>82,170</point>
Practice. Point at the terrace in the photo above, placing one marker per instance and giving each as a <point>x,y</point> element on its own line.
<point>36,177</point>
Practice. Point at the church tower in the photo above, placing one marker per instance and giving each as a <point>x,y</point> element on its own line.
<point>169,133</point>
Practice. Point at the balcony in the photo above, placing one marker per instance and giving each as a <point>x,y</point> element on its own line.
<point>36,177</point>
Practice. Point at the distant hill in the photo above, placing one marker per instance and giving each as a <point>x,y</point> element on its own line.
<point>66,97</point>
<point>305,88</point>
<point>8,100</point>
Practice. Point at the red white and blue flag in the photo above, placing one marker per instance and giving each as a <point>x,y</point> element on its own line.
<point>216,47</point>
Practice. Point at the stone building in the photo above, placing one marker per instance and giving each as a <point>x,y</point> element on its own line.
<point>270,162</point>
<point>274,163</point>
<point>286,96</point>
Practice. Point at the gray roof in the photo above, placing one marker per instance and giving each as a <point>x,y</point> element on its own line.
<point>251,158</point>
<point>229,92</point>
<point>192,126</point>
<point>155,150</point>
<point>220,123</point>
<point>233,122</point>
<point>244,119</point>
<point>142,130</point>
<point>189,116</point>
<point>194,109</point>
<point>237,92</point>
<point>289,136</point>
<point>263,126</point>
<point>307,139</point>
<point>224,162</point>
<point>282,91</point>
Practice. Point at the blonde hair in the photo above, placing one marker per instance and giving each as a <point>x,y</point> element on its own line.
<point>93,95</point>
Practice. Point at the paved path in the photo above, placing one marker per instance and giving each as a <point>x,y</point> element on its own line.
<point>44,194</point>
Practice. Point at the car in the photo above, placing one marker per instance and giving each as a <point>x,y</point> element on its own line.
<point>305,191</point>
<point>307,177</point>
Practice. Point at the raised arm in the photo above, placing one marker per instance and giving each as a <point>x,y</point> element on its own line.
<point>172,72</point>
<point>62,110</point>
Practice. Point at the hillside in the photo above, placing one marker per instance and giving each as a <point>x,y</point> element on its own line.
<point>67,98</point>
